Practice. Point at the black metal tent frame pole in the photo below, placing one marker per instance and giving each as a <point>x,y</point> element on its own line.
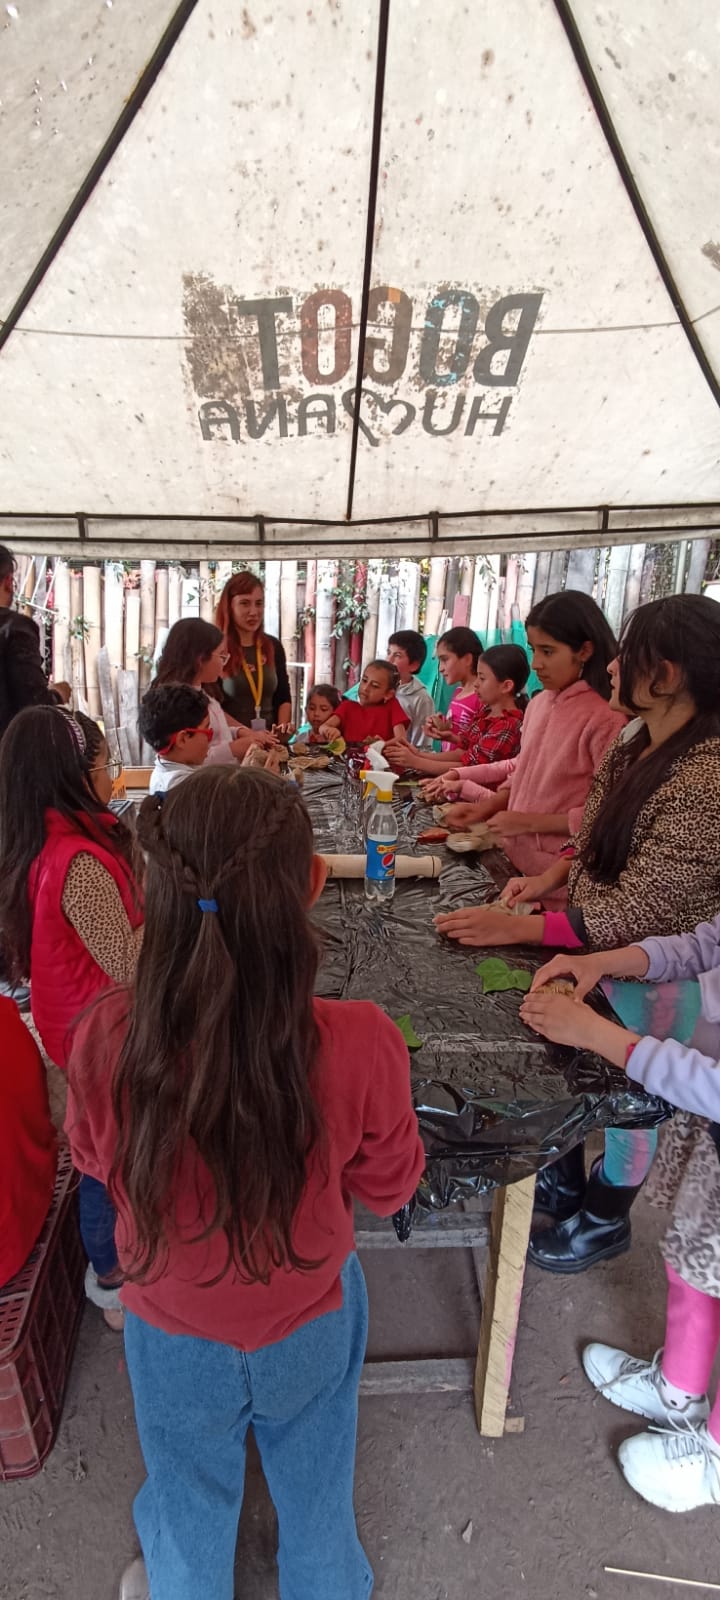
<point>383,24</point>
<point>114,139</point>
<point>602,111</point>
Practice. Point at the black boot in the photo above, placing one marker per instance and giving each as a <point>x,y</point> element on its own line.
<point>599,1231</point>
<point>560,1189</point>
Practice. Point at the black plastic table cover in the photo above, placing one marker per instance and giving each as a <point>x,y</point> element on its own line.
<point>495,1103</point>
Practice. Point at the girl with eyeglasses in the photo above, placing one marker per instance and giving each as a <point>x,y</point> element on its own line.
<point>71,909</point>
<point>195,653</point>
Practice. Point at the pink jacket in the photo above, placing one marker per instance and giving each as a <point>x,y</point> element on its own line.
<point>564,739</point>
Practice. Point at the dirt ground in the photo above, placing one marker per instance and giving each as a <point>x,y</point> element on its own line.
<point>548,1508</point>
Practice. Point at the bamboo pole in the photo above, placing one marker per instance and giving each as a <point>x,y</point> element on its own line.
<point>467,573</point>
<point>525,583</point>
<point>356,634</point>
<point>309,628</point>
<point>289,623</point>
<point>581,570</point>
<point>77,654</point>
<point>92,612</point>
<point>435,594</point>
<point>634,578</point>
<point>509,593</point>
<point>617,577</point>
<point>493,597</point>
<point>147,623</point>
<point>374,578</point>
<point>480,603</point>
<point>132,630</point>
<point>408,604</point>
<point>387,608</point>
<point>207,592</point>
<point>557,570</point>
<point>61,663</point>
<point>452,583</point>
<point>647,576</point>
<point>542,576</point>
<point>162,601</point>
<point>40,595</point>
<point>679,565</point>
<point>272,597</point>
<point>699,552</point>
<point>113,609</point>
<point>174,595</point>
<point>324,611</point>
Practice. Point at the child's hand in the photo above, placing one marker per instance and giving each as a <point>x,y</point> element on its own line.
<point>399,753</point>
<point>476,926</point>
<point>586,970</point>
<point>436,727</point>
<point>521,891</point>
<point>326,733</point>
<point>466,812</point>
<point>284,731</point>
<point>266,741</point>
<point>560,1018</point>
<point>432,789</point>
<point>507,824</point>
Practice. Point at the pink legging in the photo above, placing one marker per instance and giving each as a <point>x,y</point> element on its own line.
<point>692,1337</point>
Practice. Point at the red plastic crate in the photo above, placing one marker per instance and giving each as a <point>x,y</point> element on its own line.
<point>40,1310</point>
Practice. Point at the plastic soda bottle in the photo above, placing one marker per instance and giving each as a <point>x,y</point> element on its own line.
<point>382,837</point>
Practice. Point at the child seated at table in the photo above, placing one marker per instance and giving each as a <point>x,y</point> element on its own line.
<point>322,702</point>
<point>458,652</point>
<point>175,721</point>
<point>376,714</point>
<point>494,732</point>
<point>407,651</point>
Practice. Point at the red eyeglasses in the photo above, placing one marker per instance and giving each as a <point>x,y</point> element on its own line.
<point>207,733</point>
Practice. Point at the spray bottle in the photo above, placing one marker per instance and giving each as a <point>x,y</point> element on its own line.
<point>381,838</point>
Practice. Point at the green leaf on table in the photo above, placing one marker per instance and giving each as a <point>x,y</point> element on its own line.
<point>408,1032</point>
<point>337,746</point>
<point>497,975</point>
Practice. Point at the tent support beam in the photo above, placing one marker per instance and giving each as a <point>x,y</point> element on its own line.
<point>383,24</point>
<point>115,137</point>
<point>602,112</point>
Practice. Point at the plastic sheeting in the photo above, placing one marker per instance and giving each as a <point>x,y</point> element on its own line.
<point>494,1102</point>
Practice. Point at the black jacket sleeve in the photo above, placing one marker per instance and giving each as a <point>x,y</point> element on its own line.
<point>282,695</point>
<point>24,681</point>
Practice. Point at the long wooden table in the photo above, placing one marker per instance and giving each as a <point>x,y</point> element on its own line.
<point>526,1093</point>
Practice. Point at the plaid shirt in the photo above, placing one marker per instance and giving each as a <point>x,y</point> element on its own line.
<point>492,736</point>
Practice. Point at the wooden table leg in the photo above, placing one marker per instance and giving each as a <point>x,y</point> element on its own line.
<point>509,1234</point>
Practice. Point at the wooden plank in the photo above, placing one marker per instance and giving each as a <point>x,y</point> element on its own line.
<point>509,1234</point>
<point>435,594</point>
<point>92,612</point>
<point>433,1376</point>
<point>127,688</point>
<point>207,592</point>
<point>372,598</point>
<point>324,611</point>
<point>147,622</point>
<point>61,663</point>
<point>106,691</point>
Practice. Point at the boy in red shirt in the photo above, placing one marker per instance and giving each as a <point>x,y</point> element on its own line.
<point>376,714</point>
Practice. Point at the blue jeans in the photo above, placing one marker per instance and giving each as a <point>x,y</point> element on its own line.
<point>629,1155</point>
<point>194,1402</point>
<point>97,1225</point>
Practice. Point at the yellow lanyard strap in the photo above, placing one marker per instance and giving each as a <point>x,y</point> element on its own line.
<point>256,685</point>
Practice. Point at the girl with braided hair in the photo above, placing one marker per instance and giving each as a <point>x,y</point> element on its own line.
<point>70,909</point>
<point>235,1117</point>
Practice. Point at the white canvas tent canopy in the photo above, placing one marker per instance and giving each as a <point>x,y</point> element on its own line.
<point>360,275</point>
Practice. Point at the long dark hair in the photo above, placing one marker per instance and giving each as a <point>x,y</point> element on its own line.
<point>574,619</point>
<point>222,1037</point>
<point>45,761</point>
<point>684,629</point>
<point>509,661</point>
<point>189,642</point>
<point>241,583</point>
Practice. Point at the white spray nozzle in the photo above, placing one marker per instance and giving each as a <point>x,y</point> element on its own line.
<point>383,782</point>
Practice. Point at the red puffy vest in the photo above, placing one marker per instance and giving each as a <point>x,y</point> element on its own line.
<point>64,978</point>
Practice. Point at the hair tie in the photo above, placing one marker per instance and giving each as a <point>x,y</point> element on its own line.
<point>208,905</point>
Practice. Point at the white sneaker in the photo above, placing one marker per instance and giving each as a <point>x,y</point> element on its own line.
<point>134,1582</point>
<point>676,1469</point>
<point>637,1386</point>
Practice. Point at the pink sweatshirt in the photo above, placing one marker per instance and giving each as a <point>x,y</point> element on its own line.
<point>564,739</point>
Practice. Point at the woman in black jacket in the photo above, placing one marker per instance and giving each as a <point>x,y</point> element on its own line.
<point>256,688</point>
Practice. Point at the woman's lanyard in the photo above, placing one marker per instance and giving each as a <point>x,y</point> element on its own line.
<point>256,684</point>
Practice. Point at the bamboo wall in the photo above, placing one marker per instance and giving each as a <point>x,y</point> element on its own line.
<point>103,624</point>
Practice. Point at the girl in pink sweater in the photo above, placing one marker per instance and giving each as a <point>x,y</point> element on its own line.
<point>566,731</point>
